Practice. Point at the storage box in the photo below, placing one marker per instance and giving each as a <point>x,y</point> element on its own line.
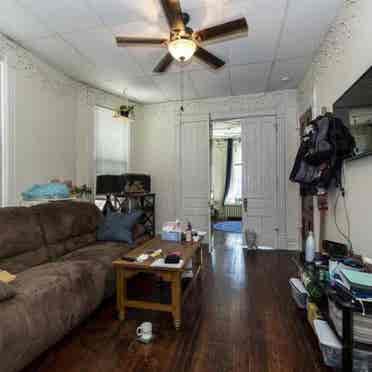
<point>329,344</point>
<point>332,349</point>
<point>174,236</point>
<point>362,324</point>
<point>299,292</point>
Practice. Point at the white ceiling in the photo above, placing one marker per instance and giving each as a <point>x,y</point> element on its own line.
<point>77,37</point>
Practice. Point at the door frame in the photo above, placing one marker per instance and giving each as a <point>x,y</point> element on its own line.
<point>281,177</point>
<point>275,195</point>
<point>283,108</point>
<point>7,147</point>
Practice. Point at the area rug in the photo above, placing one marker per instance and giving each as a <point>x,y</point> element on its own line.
<point>228,226</point>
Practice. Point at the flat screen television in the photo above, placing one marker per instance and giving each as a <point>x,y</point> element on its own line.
<point>355,109</point>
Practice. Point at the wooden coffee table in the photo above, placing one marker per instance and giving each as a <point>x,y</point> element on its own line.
<point>126,270</point>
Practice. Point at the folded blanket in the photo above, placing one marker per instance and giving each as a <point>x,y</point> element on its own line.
<point>51,190</point>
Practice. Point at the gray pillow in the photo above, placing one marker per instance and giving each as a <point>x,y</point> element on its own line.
<point>118,227</point>
<point>6,291</point>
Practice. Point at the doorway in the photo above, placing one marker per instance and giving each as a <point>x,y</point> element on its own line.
<point>244,180</point>
<point>226,177</point>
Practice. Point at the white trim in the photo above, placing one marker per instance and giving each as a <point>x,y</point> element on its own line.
<point>281,110</point>
<point>8,196</point>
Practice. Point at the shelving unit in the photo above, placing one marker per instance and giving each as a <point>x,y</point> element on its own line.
<point>349,308</point>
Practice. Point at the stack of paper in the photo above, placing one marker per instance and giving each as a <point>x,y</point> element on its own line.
<point>160,263</point>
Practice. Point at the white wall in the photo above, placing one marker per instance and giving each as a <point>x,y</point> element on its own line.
<point>155,147</point>
<point>44,133</point>
<point>51,122</point>
<point>344,56</point>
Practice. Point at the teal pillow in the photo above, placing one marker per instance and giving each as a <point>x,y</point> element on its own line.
<point>118,227</point>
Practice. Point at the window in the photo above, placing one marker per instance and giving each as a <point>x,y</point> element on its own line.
<point>112,143</point>
<point>234,195</point>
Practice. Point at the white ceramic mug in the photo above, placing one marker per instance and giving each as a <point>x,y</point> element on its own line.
<point>145,330</point>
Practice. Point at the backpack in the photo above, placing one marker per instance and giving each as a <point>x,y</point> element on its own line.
<point>331,140</point>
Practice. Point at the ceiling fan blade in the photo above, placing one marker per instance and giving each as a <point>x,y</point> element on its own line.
<point>225,29</point>
<point>164,63</point>
<point>208,58</point>
<point>124,41</point>
<point>173,12</point>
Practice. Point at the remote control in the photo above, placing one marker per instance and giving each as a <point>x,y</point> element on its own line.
<point>129,259</point>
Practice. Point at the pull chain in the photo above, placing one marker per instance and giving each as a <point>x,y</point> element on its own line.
<point>182,88</point>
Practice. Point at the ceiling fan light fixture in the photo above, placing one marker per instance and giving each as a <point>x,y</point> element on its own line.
<point>182,49</point>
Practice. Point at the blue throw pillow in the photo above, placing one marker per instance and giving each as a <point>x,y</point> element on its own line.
<point>118,227</point>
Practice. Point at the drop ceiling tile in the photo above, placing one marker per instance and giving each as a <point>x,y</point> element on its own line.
<point>210,83</point>
<point>63,15</point>
<point>61,55</point>
<point>260,43</point>
<point>116,12</point>
<point>170,85</point>
<point>307,23</point>
<point>249,78</point>
<point>293,69</point>
<point>143,89</point>
<point>17,23</point>
<point>100,47</point>
<point>140,89</point>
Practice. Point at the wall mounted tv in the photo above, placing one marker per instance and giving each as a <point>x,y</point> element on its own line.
<point>355,109</point>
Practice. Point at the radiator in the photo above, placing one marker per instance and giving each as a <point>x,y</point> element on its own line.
<point>233,211</point>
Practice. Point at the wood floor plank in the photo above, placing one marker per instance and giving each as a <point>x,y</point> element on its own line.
<point>239,318</point>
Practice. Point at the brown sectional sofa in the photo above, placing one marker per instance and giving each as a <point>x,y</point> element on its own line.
<point>63,274</point>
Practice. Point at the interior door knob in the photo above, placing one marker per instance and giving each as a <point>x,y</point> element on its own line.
<point>245,205</point>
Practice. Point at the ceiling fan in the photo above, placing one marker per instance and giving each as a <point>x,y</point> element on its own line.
<point>183,42</point>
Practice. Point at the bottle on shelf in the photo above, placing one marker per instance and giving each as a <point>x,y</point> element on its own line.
<point>188,232</point>
<point>310,248</point>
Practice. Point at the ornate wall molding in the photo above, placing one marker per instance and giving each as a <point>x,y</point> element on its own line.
<point>332,49</point>
<point>51,79</point>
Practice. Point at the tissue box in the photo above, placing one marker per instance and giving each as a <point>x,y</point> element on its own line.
<point>173,236</point>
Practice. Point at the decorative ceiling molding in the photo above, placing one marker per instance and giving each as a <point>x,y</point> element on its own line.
<point>24,62</point>
<point>200,109</point>
<point>332,48</point>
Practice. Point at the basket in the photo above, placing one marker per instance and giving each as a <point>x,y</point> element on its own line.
<point>299,292</point>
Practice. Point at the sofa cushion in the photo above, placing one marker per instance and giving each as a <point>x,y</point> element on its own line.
<point>7,291</point>
<point>21,240</point>
<point>51,300</point>
<point>68,226</point>
<point>104,253</point>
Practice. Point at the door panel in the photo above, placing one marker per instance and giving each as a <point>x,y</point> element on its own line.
<point>259,149</point>
<point>195,187</point>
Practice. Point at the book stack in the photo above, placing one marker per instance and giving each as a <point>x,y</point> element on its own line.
<point>358,283</point>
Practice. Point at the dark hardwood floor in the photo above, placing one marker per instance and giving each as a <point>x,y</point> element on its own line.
<point>239,318</point>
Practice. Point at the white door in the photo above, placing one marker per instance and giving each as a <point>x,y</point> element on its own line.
<point>259,186</point>
<point>194,173</point>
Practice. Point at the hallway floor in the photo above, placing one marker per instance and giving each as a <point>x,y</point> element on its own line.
<point>239,318</point>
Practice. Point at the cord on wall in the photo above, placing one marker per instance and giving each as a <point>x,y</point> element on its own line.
<point>341,192</point>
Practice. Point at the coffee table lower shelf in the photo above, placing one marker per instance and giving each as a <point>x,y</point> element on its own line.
<point>175,282</point>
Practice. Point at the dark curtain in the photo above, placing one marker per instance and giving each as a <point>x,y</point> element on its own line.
<point>229,160</point>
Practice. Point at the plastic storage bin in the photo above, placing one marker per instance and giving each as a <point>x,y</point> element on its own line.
<point>299,292</point>
<point>332,349</point>
<point>329,344</point>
